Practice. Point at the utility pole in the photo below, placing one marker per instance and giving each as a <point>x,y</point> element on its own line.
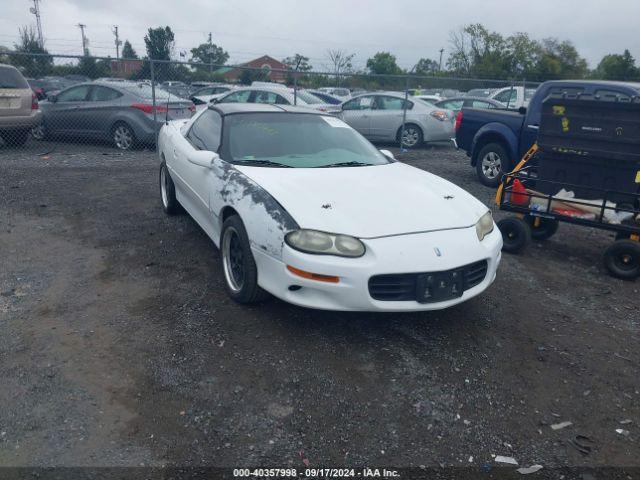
<point>210,51</point>
<point>36,11</point>
<point>82,26</point>
<point>441,52</point>
<point>117,41</point>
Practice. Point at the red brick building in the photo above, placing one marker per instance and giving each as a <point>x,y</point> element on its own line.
<point>266,63</point>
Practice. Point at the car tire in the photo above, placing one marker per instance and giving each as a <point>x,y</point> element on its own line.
<point>170,203</point>
<point>492,162</point>
<point>39,133</point>
<point>413,136</point>
<point>516,234</point>
<point>123,136</point>
<point>15,138</point>
<point>238,265</point>
<point>546,228</point>
<point>622,259</point>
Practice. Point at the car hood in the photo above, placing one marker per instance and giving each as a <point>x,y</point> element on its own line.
<point>369,202</point>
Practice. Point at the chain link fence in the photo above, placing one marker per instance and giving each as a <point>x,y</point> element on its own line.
<point>124,102</point>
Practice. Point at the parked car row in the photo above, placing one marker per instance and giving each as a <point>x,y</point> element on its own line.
<point>122,112</point>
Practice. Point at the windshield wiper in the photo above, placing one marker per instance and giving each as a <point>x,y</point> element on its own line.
<point>346,164</point>
<point>264,163</point>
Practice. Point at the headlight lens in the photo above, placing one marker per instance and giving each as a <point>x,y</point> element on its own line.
<point>313,241</point>
<point>484,226</point>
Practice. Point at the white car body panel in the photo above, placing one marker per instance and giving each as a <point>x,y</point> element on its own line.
<point>409,220</point>
<point>380,200</point>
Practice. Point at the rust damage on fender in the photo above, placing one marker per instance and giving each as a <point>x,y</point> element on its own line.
<point>239,190</point>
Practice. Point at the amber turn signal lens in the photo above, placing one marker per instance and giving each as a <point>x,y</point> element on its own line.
<point>313,276</point>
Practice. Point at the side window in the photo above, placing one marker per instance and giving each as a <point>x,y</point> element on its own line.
<point>389,103</point>
<point>360,103</point>
<point>74,94</point>
<point>237,97</point>
<point>481,104</point>
<point>567,90</point>
<point>453,105</point>
<point>205,132</point>
<point>103,94</point>
<point>269,97</point>
<point>612,95</point>
<point>508,97</point>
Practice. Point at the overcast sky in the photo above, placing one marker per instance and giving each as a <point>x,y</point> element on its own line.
<point>410,29</point>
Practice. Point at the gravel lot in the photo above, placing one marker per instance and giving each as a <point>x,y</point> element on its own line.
<point>119,346</point>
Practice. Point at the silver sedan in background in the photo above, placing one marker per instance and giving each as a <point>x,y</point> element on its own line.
<point>121,112</point>
<point>379,116</point>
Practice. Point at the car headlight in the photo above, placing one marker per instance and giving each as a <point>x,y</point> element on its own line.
<point>484,226</point>
<point>322,243</point>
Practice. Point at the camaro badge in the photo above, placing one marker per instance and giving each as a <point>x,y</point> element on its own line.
<point>438,252</point>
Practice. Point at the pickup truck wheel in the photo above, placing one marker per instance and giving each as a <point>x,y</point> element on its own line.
<point>492,161</point>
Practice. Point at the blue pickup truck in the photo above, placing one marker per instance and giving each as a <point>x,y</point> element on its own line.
<point>496,140</point>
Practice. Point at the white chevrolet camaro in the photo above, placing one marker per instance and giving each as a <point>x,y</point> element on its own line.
<point>303,207</point>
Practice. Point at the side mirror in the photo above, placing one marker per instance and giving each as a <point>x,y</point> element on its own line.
<point>522,110</point>
<point>52,97</point>
<point>387,154</point>
<point>202,158</point>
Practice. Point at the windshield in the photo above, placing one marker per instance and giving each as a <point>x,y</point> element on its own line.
<point>309,98</point>
<point>145,91</point>
<point>11,78</point>
<point>295,140</point>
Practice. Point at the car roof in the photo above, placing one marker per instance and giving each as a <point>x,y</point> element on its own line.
<point>633,85</point>
<point>479,99</point>
<point>232,108</point>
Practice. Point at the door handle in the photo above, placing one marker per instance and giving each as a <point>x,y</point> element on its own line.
<point>534,127</point>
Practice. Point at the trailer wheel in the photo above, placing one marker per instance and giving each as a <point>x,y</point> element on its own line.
<point>622,259</point>
<point>516,234</point>
<point>546,228</point>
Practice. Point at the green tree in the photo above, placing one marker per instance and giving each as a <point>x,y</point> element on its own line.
<point>426,66</point>
<point>477,52</point>
<point>340,62</point>
<point>298,62</point>
<point>210,54</point>
<point>31,66</point>
<point>560,59</point>
<point>383,63</point>
<point>618,67</point>
<point>159,42</point>
<point>93,68</point>
<point>128,51</point>
<point>249,76</point>
<point>521,55</point>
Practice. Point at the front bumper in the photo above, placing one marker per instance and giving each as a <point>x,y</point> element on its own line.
<point>414,253</point>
